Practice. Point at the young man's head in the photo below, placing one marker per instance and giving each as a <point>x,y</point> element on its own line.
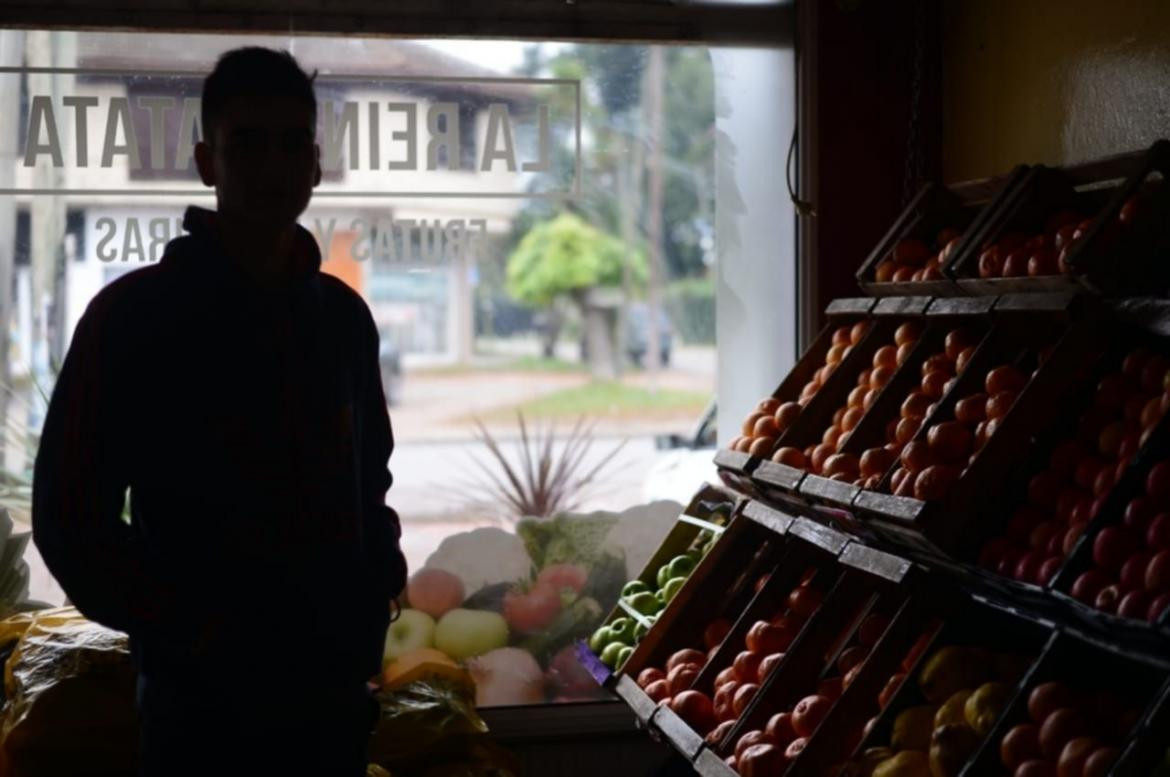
<point>259,127</point>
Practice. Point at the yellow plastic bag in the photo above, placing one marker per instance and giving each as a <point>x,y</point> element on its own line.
<point>430,728</point>
<point>69,687</point>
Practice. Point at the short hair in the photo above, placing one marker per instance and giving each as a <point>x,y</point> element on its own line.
<point>254,71</point>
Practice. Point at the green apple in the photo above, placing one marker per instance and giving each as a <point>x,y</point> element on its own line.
<point>465,633</point>
<point>672,587</point>
<point>679,566</point>
<point>640,630</point>
<point>413,630</point>
<point>624,655</point>
<point>661,597</point>
<point>633,588</point>
<point>600,639</point>
<point>663,575</point>
<point>645,603</point>
<point>622,630</point>
<point>609,656</point>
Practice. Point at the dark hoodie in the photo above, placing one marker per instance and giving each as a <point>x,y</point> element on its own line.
<point>250,427</point>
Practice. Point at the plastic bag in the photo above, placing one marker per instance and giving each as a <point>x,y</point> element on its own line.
<point>69,684</point>
<point>430,728</point>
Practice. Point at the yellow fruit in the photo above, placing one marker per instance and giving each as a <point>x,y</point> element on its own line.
<point>908,763</point>
<point>420,663</point>
<point>951,712</point>
<point>985,705</point>
<point>912,728</point>
<point>864,764</point>
<point>950,747</point>
<point>951,669</point>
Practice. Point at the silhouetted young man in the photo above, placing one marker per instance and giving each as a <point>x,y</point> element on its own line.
<point>234,391</point>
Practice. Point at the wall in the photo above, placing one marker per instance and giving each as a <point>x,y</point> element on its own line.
<point>1051,81</point>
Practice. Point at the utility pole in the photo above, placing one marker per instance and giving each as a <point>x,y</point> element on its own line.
<point>654,77</point>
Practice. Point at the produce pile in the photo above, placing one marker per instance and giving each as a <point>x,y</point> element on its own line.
<point>514,636</point>
<point>913,260</point>
<point>615,641</point>
<point>961,692</point>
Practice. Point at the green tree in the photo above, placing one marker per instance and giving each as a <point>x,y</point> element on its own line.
<point>567,258</point>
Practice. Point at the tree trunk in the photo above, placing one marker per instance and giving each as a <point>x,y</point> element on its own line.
<point>598,322</point>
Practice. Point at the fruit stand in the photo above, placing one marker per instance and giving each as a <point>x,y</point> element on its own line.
<point>949,553</point>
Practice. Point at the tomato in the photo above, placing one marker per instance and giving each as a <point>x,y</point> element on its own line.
<point>876,461</point>
<point>747,666</point>
<point>1020,744</point>
<point>808,714</point>
<point>820,454</point>
<point>886,356</point>
<point>851,418</point>
<point>957,340</point>
<point>851,657</point>
<point>531,611</point>
<point>766,638</point>
<point>766,427</point>
<point>564,576</point>
<point>650,675</point>
<point>1059,728</point>
<point>1005,378</point>
<point>743,697</point>
<point>885,272</point>
<point>991,263</point>
<point>911,251</point>
<point>906,429</point>
<point>934,383</point>
<point>891,688</point>
<point>972,409</point>
<point>908,332</point>
<point>857,332</point>
<point>1158,483</point>
<point>934,482</point>
<point>682,677</point>
<point>1154,373</point>
<point>950,441</point>
<point>792,457</point>
<point>917,456</point>
<point>1016,264</point>
<point>685,656</point>
<point>915,405</point>
<point>786,414</point>
<point>779,729</point>
<point>1043,262</point>
<point>715,632</point>
<point>881,376</point>
<point>696,710</point>
<point>804,600</point>
<point>840,463</point>
<point>761,447</point>
<point>762,760</point>
<point>768,665</point>
<point>1000,403</point>
<point>726,676</point>
<point>658,691</point>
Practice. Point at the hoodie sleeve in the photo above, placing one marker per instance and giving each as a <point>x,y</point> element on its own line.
<point>381,526</point>
<point>80,480</point>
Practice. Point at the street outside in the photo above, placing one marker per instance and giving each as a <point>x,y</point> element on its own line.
<point>434,423</point>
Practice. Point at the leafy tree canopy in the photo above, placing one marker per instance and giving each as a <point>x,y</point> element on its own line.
<point>564,255</point>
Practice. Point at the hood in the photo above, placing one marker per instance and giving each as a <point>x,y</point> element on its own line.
<point>203,241</point>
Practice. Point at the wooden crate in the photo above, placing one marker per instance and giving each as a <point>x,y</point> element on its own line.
<point>964,206</point>
<point>941,316</point>
<point>780,481</point>
<point>735,467</point>
<point>692,521</point>
<point>968,622</point>
<point>1023,326</point>
<point>1090,667</point>
<point>868,581</point>
<point>1104,260</point>
<point>1152,638</point>
<point>804,547</point>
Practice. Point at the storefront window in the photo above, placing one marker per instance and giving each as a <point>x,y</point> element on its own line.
<point>535,227</point>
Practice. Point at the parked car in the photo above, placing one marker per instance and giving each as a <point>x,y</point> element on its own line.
<point>684,462</point>
<point>390,361</point>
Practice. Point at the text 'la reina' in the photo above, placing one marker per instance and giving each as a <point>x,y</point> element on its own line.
<point>389,136</point>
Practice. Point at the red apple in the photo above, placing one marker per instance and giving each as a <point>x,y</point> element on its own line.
<point>1158,532</point>
<point>1158,572</point>
<point>1049,569</point>
<point>1133,571</point>
<point>1135,605</point>
<point>1088,584</point>
<point>1112,547</point>
<point>1108,598</point>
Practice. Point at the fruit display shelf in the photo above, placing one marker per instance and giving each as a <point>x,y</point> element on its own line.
<point>1100,226</point>
<point>934,230</point>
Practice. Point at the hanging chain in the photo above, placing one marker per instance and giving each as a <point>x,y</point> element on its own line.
<point>913,175</point>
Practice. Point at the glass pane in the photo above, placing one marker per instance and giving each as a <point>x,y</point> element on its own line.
<point>533,229</point>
